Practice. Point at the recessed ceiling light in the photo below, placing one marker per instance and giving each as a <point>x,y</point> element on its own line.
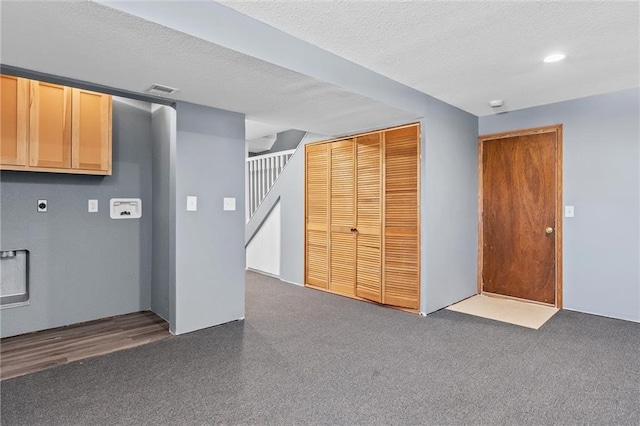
<point>555,57</point>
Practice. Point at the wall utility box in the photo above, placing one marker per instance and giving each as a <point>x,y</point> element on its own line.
<point>125,208</point>
<point>14,284</point>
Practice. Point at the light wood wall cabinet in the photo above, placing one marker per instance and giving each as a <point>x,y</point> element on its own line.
<point>14,112</point>
<point>362,216</point>
<point>52,128</point>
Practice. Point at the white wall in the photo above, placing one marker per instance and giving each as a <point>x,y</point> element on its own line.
<point>263,252</point>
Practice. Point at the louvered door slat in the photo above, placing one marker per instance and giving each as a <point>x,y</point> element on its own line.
<point>368,217</point>
<point>317,214</point>
<point>342,266</point>
<point>401,243</point>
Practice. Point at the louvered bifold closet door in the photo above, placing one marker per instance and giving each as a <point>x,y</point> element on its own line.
<point>401,230</point>
<point>342,275</point>
<point>369,217</point>
<point>317,216</point>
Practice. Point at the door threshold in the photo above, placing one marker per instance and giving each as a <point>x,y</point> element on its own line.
<point>519,299</point>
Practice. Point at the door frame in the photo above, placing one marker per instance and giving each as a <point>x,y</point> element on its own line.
<point>557,130</point>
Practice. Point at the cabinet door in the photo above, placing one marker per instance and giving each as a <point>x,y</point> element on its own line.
<point>91,131</point>
<point>50,130</point>
<point>369,217</point>
<point>317,216</point>
<point>14,111</point>
<point>342,273</point>
<point>401,230</point>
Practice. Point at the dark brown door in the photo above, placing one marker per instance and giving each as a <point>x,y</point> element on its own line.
<point>519,216</point>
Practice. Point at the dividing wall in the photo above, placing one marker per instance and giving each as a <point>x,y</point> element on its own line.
<point>163,123</point>
<point>449,184</point>
<point>209,242</point>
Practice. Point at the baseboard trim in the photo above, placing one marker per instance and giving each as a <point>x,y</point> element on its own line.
<point>291,282</point>
<point>257,271</point>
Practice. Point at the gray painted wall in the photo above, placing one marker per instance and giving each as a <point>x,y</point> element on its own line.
<point>289,139</point>
<point>286,140</point>
<point>84,265</point>
<point>210,256</point>
<point>163,122</point>
<point>449,187</point>
<point>601,178</point>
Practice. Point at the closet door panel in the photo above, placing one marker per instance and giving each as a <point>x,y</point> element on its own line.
<point>343,261</point>
<point>317,216</point>
<point>369,217</point>
<point>401,239</point>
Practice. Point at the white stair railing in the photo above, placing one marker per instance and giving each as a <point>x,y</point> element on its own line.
<point>263,170</point>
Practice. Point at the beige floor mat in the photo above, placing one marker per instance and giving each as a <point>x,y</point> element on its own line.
<point>516,312</point>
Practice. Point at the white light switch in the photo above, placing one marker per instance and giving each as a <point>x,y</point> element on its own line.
<point>192,203</point>
<point>229,204</point>
<point>93,206</point>
<point>568,211</point>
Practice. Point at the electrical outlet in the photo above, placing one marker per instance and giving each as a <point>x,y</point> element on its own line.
<point>93,206</point>
<point>42,206</point>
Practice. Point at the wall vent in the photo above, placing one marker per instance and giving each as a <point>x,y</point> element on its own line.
<point>159,89</point>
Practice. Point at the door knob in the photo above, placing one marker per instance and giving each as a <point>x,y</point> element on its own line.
<point>549,230</point>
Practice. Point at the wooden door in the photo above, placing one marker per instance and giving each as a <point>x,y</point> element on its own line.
<point>369,217</point>
<point>14,112</point>
<point>401,273</point>
<point>518,217</point>
<point>91,131</point>
<point>50,124</point>
<point>342,275</point>
<point>317,216</point>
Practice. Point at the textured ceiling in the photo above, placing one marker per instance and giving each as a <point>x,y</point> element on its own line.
<point>256,129</point>
<point>90,42</point>
<point>467,53</point>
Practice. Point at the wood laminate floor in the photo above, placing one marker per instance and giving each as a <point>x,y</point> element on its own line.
<point>37,351</point>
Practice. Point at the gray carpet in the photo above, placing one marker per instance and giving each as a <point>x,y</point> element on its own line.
<point>307,357</point>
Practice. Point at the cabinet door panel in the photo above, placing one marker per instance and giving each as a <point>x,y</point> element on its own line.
<point>50,125</point>
<point>401,241</point>
<point>14,111</point>
<point>91,132</point>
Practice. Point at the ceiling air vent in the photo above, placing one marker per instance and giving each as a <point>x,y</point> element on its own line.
<point>159,89</point>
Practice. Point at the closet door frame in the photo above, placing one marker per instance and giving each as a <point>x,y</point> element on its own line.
<point>418,127</point>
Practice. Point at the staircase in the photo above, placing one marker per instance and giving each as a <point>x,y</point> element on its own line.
<point>262,172</point>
